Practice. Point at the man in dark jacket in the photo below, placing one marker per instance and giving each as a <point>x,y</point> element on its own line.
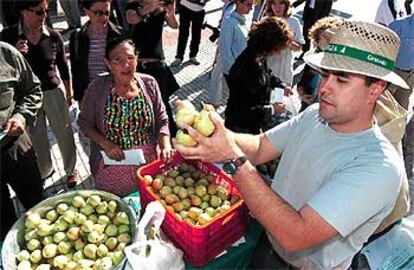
<point>20,99</point>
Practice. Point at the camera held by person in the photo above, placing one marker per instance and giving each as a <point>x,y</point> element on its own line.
<point>215,30</point>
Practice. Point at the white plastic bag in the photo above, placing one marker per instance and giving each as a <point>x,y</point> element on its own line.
<point>150,251</point>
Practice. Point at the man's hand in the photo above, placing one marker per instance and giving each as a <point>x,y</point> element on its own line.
<point>22,46</point>
<point>113,151</point>
<point>13,127</point>
<point>219,147</point>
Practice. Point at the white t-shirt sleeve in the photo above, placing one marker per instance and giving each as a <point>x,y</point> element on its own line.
<point>365,188</point>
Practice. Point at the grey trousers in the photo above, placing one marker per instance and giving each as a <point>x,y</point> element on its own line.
<point>56,110</point>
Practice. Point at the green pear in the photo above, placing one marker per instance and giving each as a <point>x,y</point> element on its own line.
<point>78,201</point>
<point>203,123</point>
<point>185,139</point>
<point>32,220</point>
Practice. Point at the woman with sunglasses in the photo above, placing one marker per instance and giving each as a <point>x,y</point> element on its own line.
<point>87,45</point>
<point>43,48</point>
<point>123,111</point>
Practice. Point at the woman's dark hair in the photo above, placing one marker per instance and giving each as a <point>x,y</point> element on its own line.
<point>113,43</point>
<point>269,34</point>
<point>23,5</point>
<point>88,3</point>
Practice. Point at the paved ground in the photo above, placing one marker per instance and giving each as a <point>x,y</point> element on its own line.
<point>194,80</point>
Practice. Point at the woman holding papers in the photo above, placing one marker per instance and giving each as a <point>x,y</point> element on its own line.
<point>123,111</point>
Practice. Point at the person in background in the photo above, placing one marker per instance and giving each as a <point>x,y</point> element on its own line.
<point>313,11</point>
<point>43,48</point>
<point>404,67</point>
<point>250,81</point>
<point>72,13</point>
<point>282,64</point>
<point>319,35</point>
<point>390,10</point>
<point>123,111</point>
<point>331,155</point>
<point>87,45</point>
<point>147,18</point>
<point>257,8</point>
<point>20,98</point>
<point>192,13</point>
<point>236,24</point>
<point>234,32</point>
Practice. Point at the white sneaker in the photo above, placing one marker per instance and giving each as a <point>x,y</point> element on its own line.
<point>194,61</point>
<point>176,62</point>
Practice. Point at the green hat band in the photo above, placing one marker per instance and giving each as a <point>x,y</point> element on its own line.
<point>361,55</point>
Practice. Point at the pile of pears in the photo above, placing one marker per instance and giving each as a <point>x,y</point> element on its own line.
<point>85,233</point>
<point>187,113</point>
<point>192,196</point>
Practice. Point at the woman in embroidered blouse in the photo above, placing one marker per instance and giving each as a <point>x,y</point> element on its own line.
<point>122,111</point>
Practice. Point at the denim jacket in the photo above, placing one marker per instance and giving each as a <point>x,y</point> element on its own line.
<point>233,39</point>
<point>404,29</point>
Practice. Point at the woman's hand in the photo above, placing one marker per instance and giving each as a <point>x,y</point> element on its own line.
<point>279,107</point>
<point>288,91</point>
<point>113,151</point>
<point>167,153</point>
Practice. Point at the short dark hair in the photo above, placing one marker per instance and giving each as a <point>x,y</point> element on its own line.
<point>88,3</point>
<point>268,35</point>
<point>113,43</point>
<point>370,80</point>
<point>26,4</point>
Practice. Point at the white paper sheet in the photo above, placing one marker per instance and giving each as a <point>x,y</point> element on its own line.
<point>132,157</point>
<point>277,95</point>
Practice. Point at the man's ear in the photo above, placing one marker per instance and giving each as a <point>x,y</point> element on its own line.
<point>376,90</point>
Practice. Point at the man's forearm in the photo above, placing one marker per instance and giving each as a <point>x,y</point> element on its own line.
<point>248,143</point>
<point>257,148</point>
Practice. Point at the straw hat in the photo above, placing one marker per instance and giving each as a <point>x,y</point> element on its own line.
<point>363,48</point>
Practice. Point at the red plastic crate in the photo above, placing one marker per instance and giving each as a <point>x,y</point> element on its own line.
<point>200,244</point>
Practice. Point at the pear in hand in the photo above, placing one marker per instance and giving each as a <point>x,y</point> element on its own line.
<point>184,139</point>
<point>186,113</point>
<point>202,123</point>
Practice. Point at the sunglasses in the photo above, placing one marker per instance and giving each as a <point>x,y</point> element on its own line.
<point>100,12</point>
<point>38,12</point>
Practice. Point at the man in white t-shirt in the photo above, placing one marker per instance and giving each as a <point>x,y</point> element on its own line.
<point>338,176</point>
